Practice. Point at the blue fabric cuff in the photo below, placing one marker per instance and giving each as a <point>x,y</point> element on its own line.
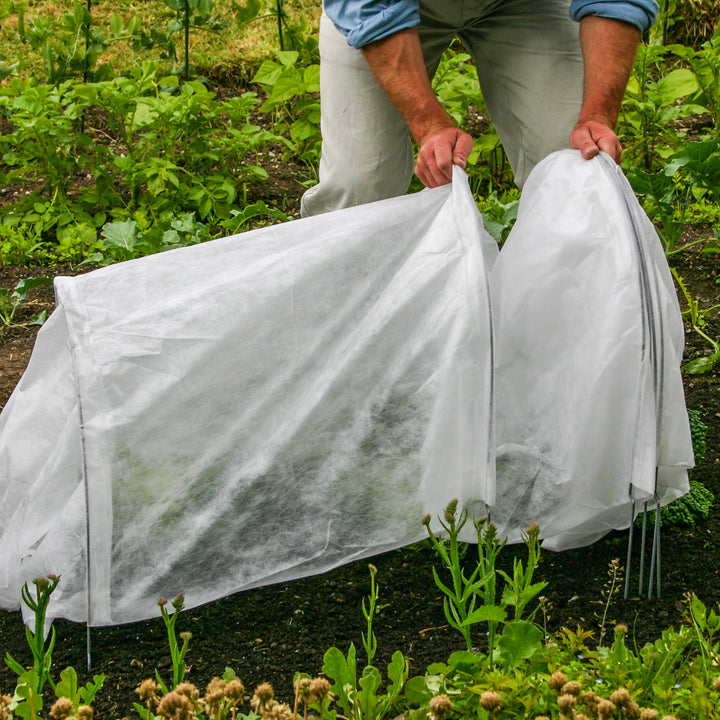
<point>640,13</point>
<point>365,22</point>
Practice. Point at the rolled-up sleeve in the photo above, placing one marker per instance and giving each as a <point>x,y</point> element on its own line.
<point>363,22</point>
<point>640,13</point>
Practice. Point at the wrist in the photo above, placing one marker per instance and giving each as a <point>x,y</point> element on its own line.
<point>429,120</point>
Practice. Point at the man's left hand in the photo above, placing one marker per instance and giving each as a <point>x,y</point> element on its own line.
<point>592,136</point>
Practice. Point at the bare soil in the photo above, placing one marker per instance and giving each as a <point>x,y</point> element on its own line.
<point>271,633</point>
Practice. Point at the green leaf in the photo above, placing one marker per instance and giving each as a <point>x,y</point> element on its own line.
<point>486,613</point>
<point>520,641</point>
<point>268,73</point>
<point>676,84</point>
<point>68,685</point>
<point>121,234</point>
<point>288,57</point>
<point>701,365</point>
<point>417,691</point>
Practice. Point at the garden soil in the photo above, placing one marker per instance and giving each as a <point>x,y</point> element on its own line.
<point>269,634</point>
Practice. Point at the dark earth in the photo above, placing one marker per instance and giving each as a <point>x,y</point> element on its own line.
<point>272,633</point>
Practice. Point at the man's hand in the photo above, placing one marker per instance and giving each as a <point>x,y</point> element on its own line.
<point>439,152</point>
<point>397,63</point>
<point>592,136</point>
<point>608,48</point>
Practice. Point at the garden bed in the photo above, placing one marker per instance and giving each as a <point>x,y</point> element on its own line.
<point>271,633</point>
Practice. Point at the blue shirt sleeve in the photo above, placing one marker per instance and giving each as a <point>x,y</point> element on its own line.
<point>640,13</point>
<point>365,21</point>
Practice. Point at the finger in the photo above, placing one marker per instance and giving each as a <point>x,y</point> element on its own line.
<point>427,167</point>
<point>463,148</point>
<point>443,162</point>
<point>611,145</point>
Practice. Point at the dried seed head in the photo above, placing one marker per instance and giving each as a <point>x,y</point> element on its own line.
<point>490,701</point>
<point>566,703</point>
<point>175,706</point>
<point>188,690</point>
<point>235,691</point>
<point>572,688</point>
<point>214,696</point>
<point>669,717</point>
<point>63,707</point>
<point>440,706</point>
<point>542,717</point>
<point>263,698</point>
<point>621,697</point>
<point>632,710</point>
<point>605,708</point>
<point>280,712</point>
<point>649,714</point>
<point>302,688</point>
<point>320,688</point>
<point>264,692</point>
<point>149,691</point>
<point>85,712</point>
<point>5,701</point>
<point>590,700</point>
<point>557,681</point>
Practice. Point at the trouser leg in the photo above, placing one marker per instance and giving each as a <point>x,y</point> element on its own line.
<point>366,150</point>
<point>530,69</point>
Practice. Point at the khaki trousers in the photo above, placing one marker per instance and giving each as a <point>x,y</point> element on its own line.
<point>530,69</point>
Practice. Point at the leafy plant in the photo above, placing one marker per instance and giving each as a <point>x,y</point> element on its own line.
<point>472,599</point>
<point>652,108</point>
<point>697,319</point>
<point>177,651</point>
<point>11,301</point>
<point>704,64</point>
<point>360,697</point>
<point>290,88</point>
<point>31,683</point>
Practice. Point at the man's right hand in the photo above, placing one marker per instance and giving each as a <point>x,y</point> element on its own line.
<point>398,65</point>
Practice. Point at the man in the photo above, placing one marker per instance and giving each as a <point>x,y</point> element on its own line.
<point>545,86</point>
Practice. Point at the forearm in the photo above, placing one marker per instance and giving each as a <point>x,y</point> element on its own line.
<point>398,65</point>
<point>608,48</point>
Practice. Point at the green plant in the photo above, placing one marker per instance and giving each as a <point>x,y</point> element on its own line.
<point>697,318</point>
<point>652,108</point>
<point>31,683</point>
<point>11,301</point>
<point>290,90</point>
<point>360,697</point>
<point>177,651</point>
<point>473,599</point>
<point>45,144</point>
<point>499,214</point>
<point>704,64</point>
<point>191,14</point>
<point>609,592</point>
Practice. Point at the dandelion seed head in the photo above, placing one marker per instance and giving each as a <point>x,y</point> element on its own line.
<point>62,708</point>
<point>490,701</point>
<point>557,681</point>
